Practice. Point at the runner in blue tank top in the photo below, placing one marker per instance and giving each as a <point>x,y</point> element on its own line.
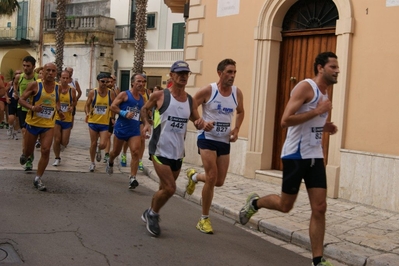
<point>127,128</point>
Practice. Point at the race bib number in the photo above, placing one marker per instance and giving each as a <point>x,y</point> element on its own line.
<point>135,111</point>
<point>100,109</point>
<point>222,128</point>
<point>47,112</point>
<point>64,107</point>
<point>316,135</point>
<point>177,124</point>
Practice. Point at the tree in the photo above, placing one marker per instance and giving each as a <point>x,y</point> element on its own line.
<point>60,35</point>
<point>8,7</point>
<point>140,35</point>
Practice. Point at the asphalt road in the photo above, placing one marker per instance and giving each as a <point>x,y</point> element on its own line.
<point>93,219</point>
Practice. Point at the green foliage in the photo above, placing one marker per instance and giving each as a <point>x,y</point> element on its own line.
<point>10,75</point>
<point>8,7</point>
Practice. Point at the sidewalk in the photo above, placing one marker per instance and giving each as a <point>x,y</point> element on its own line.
<point>355,234</point>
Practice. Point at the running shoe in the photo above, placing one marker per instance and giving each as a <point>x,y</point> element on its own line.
<point>15,136</point>
<point>92,167</point>
<point>152,223</point>
<point>204,225</point>
<point>324,262</point>
<point>23,159</point>
<point>123,160</point>
<point>37,145</point>
<point>28,165</point>
<point>106,157</point>
<point>141,166</point>
<point>248,210</point>
<point>57,162</point>
<point>98,154</point>
<point>109,169</point>
<point>133,182</point>
<point>10,132</point>
<point>39,185</point>
<point>191,184</point>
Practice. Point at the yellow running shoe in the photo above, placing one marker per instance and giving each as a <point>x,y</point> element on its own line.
<point>204,225</point>
<point>191,184</point>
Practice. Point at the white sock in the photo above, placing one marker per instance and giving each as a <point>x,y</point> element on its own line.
<point>194,177</point>
<point>152,213</point>
<point>37,178</point>
<point>204,216</point>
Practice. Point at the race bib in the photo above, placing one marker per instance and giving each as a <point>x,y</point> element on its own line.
<point>222,128</point>
<point>47,112</point>
<point>100,109</point>
<point>316,136</point>
<point>64,107</point>
<point>177,124</point>
<point>135,111</point>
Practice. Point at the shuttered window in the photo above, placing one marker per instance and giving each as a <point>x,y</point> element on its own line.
<point>178,35</point>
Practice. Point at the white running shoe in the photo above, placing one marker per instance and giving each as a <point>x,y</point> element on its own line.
<point>92,167</point>
<point>57,162</point>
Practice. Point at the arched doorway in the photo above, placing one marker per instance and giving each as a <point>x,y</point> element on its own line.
<point>267,41</point>
<point>308,29</point>
<point>12,60</point>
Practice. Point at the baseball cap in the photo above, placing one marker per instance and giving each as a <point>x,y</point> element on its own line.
<point>180,66</point>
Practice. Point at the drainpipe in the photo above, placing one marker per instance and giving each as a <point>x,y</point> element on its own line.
<point>91,62</point>
<point>41,32</point>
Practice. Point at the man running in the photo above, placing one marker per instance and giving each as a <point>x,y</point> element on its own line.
<point>62,128</point>
<point>219,101</point>
<point>127,128</point>
<point>40,119</point>
<point>98,113</point>
<point>173,108</point>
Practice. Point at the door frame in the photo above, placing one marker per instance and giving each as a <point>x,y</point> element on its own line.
<point>265,77</point>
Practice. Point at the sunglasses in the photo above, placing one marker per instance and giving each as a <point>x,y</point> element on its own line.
<point>103,81</point>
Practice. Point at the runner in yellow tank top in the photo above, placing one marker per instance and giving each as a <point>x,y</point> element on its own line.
<point>44,101</point>
<point>62,128</point>
<point>98,113</point>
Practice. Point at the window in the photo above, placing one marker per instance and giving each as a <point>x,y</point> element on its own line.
<point>178,31</point>
<point>151,21</point>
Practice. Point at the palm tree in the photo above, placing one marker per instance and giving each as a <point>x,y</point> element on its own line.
<point>7,7</point>
<point>140,33</point>
<point>60,35</point>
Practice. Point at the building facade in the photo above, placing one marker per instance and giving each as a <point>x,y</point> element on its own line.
<point>274,43</point>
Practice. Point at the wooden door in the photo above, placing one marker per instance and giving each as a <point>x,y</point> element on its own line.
<point>297,53</point>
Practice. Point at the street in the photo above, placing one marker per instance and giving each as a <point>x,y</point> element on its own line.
<point>93,219</point>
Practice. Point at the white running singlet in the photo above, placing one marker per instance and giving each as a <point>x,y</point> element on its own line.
<point>304,141</point>
<point>220,109</point>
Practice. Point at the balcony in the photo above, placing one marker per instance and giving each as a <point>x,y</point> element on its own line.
<point>124,32</point>
<point>176,6</point>
<point>82,30</point>
<point>162,58</point>
<point>83,23</point>
<point>17,33</point>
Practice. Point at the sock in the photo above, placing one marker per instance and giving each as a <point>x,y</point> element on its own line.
<point>140,160</point>
<point>152,213</point>
<point>37,178</point>
<point>316,260</point>
<point>59,158</point>
<point>111,164</point>
<point>204,216</point>
<point>255,204</point>
<point>107,154</point>
<point>194,177</point>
